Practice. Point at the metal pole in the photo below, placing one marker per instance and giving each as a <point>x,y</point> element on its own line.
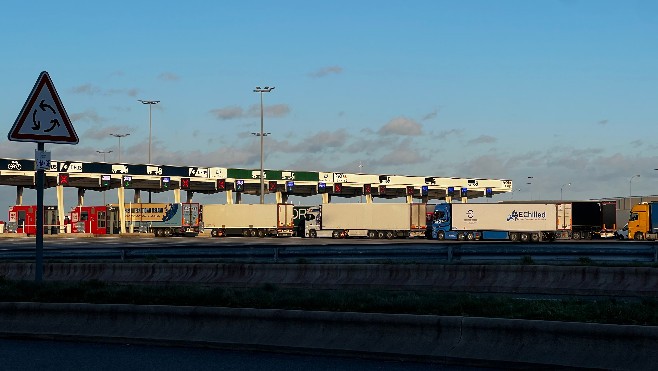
<point>262,171</point>
<point>150,105</point>
<point>258,89</point>
<point>38,269</point>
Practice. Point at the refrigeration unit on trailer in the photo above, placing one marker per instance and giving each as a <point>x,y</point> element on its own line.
<point>372,220</point>
<point>496,221</point>
<point>249,220</point>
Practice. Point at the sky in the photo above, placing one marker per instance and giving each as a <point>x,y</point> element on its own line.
<point>563,91</point>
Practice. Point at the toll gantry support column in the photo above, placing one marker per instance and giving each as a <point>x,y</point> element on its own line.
<point>229,197</point>
<point>59,190</point>
<point>122,209</point>
<point>190,195</point>
<point>19,195</point>
<point>326,198</point>
<point>177,195</point>
<point>137,198</point>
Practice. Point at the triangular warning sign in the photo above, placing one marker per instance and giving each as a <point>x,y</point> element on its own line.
<point>43,117</point>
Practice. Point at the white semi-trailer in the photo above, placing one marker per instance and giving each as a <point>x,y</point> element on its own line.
<point>495,221</point>
<point>249,220</point>
<point>384,220</point>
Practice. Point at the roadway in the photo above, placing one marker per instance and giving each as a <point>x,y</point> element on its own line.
<point>46,355</point>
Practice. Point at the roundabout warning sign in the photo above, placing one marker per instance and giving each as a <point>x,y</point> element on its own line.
<point>43,118</point>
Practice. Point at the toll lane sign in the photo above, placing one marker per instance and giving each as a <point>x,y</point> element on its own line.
<point>43,118</point>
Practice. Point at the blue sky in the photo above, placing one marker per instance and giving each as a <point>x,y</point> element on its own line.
<point>563,91</point>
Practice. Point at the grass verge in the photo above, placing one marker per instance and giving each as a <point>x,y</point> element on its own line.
<point>635,312</point>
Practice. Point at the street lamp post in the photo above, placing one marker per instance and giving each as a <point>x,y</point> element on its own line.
<point>529,183</point>
<point>150,103</point>
<point>120,136</point>
<point>563,185</point>
<point>630,185</point>
<point>258,89</point>
<point>104,153</point>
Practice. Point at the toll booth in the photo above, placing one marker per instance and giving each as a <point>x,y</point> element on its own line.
<point>113,220</point>
<point>89,219</point>
<point>23,219</point>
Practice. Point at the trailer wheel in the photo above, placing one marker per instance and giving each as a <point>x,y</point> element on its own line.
<point>461,236</point>
<point>252,233</point>
<point>389,235</point>
<point>441,236</point>
<point>167,232</point>
<point>534,237</point>
<point>157,232</point>
<point>261,233</point>
<point>313,233</point>
<point>514,237</point>
<point>372,234</point>
<point>638,236</point>
<point>576,235</point>
<point>335,234</point>
<point>470,236</point>
<point>380,235</point>
<point>214,233</point>
<point>525,237</point>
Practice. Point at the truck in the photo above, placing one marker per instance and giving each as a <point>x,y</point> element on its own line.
<point>643,221</point>
<point>527,222</point>
<point>593,219</point>
<point>583,220</point>
<point>371,220</point>
<point>249,220</point>
<point>161,219</point>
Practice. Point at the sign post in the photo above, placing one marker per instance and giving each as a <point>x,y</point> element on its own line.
<point>43,119</point>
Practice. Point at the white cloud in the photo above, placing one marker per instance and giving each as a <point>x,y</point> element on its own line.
<point>401,126</point>
<point>325,71</point>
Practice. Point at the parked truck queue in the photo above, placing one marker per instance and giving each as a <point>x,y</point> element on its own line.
<point>511,221</point>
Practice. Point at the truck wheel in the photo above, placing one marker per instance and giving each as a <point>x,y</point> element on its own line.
<point>261,233</point>
<point>514,237</point>
<point>534,237</point>
<point>335,234</point>
<point>470,236</point>
<point>312,233</point>
<point>576,235</point>
<point>441,236</point>
<point>389,235</point>
<point>461,236</point>
<point>638,236</point>
<point>213,233</point>
<point>525,237</point>
<point>372,234</point>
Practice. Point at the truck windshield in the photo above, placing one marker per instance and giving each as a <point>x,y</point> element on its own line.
<point>634,216</point>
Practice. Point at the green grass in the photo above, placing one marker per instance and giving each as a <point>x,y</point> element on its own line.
<point>637,312</point>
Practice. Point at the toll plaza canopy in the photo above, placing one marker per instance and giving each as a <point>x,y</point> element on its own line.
<point>101,176</point>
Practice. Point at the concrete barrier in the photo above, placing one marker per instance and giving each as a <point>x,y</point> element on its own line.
<point>475,341</point>
<point>509,279</point>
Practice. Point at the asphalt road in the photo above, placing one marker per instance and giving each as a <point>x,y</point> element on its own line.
<point>45,355</point>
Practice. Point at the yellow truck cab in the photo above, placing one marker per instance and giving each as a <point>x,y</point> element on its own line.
<point>643,222</point>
